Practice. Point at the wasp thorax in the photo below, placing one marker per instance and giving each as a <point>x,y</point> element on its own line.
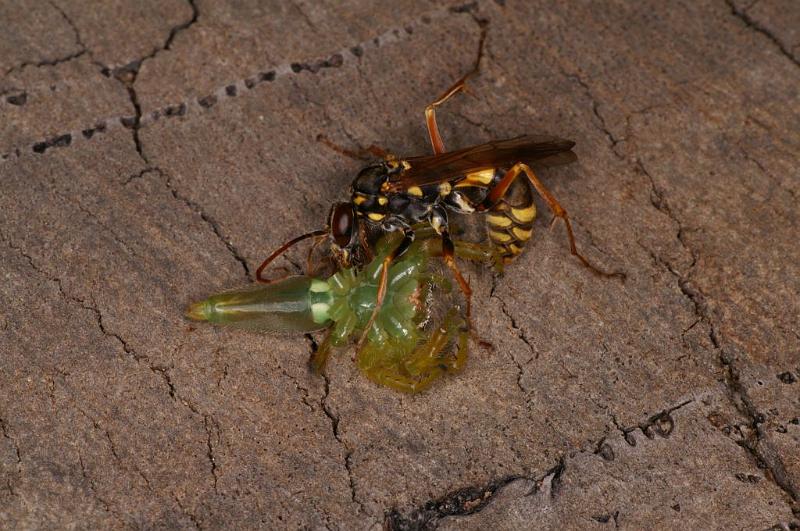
<point>370,180</point>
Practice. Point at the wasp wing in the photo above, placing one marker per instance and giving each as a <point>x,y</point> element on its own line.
<point>535,150</point>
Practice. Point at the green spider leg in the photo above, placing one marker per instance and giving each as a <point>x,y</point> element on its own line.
<point>416,371</point>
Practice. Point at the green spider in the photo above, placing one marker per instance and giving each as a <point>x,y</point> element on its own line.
<point>405,348</point>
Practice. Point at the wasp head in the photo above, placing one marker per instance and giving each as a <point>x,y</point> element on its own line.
<point>343,224</point>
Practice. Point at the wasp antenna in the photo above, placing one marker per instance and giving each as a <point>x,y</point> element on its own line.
<point>360,155</point>
<point>282,249</point>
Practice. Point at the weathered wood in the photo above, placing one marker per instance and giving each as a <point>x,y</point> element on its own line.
<point>152,155</point>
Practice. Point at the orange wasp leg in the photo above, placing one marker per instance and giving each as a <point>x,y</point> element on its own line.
<point>408,239</point>
<point>430,111</point>
<point>448,255</point>
<point>500,189</point>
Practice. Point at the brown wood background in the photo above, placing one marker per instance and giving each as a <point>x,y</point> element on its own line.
<point>153,152</point>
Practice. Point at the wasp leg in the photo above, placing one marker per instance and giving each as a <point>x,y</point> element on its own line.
<point>448,255</point>
<point>500,189</point>
<point>405,243</point>
<point>438,220</point>
<point>479,253</point>
<point>282,249</point>
<point>461,84</point>
<point>361,154</point>
<point>320,356</point>
<point>476,252</point>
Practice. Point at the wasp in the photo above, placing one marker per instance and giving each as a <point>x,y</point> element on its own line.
<point>495,179</point>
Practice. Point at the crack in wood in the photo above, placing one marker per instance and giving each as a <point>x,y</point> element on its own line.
<point>128,73</point>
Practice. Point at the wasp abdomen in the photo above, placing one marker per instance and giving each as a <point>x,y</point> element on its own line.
<point>510,221</point>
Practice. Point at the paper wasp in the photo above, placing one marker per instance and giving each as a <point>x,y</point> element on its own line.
<point>397,193</point>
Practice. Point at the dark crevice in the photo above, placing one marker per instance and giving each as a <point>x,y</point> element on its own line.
<point>114,453</point>
<point>181,27</point>
<point>208,423</point>
<point>57,141</point>
<point>83,303</point>
<point>140,174</point>
<point>207,102</point>
<point>555,474</point>
<point>92,486</point>
<point>135,123</point>
<point>769,174</point>
<point>192,518</point>
<point>619,274</point>
<point>18,98</point>
<point>89,132</point>
<point>661,424</point>
<point>224,375</point>
<point>164,373</point>
<point>600,122</point>
<point>521,335</point>
<point>82,50</point>
<point>208,219</point>
<point>760,449</point>
<point>304,395</point>
<point>627,433</point>
<point>100,321</point>
<point>348,465</point>
<point>94,217</point>
<point>604,450</point>
<point>463,502</point>
<point>606,518</point>
<point>468,7</point>
<point>692,293</point>
<point>756,26</point>
<point>334,420</point>
<point>473,499</point>
<point>754,440</point>
<point>474,123</point>
<point>46,62</point>
<point>136,64</point>
<point>4,429</point>
<point>128,350</point>
<point>106,434</point>
<point>71,24</point>
<point>128,73</point>
<point>312,26</point>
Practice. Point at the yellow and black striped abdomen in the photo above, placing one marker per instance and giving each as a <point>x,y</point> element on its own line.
<point>510,221</point>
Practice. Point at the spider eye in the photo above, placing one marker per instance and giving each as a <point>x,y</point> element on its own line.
<point>342,218</point>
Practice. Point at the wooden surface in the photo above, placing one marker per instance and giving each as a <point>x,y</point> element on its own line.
<point>153,152</point>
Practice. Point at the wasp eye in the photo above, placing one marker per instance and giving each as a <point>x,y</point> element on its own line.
<point>342,224</point>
